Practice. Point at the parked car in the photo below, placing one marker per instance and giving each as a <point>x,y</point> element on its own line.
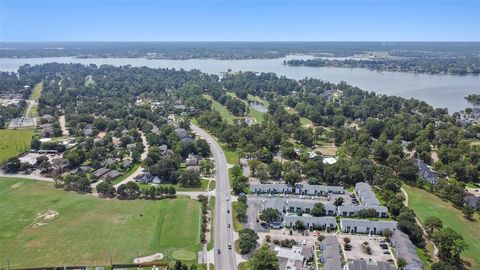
<point>218,251</point>
<point>229,246</point>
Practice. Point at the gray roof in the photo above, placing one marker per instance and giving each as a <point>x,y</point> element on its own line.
<point>112,174</point>
<point>363,265</point>
<point>100,172</point>
<point>407,250</point>
<point>181,133</point>
<point>355,208</point>
<point>331,253</point>
<point>366,195</point>
<point>363,223</point>
<point>425,171</point>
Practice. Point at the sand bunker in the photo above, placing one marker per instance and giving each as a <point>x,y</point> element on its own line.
<point>42,218</point>
<point>149,258</point>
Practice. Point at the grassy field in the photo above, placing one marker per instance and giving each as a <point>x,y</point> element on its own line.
<point>203,187</point>
<point>237,225</point>
<point>211,206</point>
<point>224,113</point>
<point>85,229</point>
<point>37,91</point>
<point>427,204</point>
<point>14,142</point>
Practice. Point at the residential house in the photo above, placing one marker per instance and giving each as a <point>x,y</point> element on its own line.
<point>425,171</point>
<point>348,225</point>
<point>99,173</point>
<point>144,178</point>
<point>108,162</point>
<point>181,133</point>
<point>365,194</point>
<point>88,130</point>
<point>284,205</point>
<point>111,175</point>
<point>310,221</point>
<point>330,256</point>
<point>351,210</point>
<point>127,163</point>
<point>293,258</point>
<point>363,265</point>
<point>270,188</point>
<point>407,250</point>
<point>318,190</point>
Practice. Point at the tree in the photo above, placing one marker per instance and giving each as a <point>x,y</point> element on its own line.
<point>292,178</point>
<point>432,223</point>
<point>128,191</point>
<point>450,244</point>
<point>387,233</point>
<point>275,170</point>
<point>106,189</point>
<point>338,201</point>
<point>180,266</point>
<point>367,213</point>
<point>318,210</point>
<point>202,147</point>
<point>264,259</point>
<point>270,215</point>
<point>468,212</point>
<point>247,240</point>
<point>401,263</point>
<point>206,166</point>
<point>189,178</point>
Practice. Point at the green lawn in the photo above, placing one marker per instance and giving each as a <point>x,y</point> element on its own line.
<point>14,142</point>
<point>203,187</point>
<point>237,225</point>
<point>427,204</point>
<point>224,113</point>
<point>127,174</point>
<point>211,206</point>
<point>87,229</point>
<point>37,91</point>
<point>231,155</point>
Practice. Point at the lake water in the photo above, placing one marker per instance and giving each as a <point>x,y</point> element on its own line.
<point>444,91</point>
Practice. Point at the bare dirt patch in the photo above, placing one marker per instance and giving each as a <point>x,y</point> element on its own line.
<point>43,218</point>
<point>16,185</point>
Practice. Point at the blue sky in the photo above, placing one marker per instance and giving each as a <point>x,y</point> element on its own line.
<point>196,20</point>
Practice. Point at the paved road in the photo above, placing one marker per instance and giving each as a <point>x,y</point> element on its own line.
<point>140,169</point>
<point>223,235</point>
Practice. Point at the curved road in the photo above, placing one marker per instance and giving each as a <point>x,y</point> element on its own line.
<point>223,235</point>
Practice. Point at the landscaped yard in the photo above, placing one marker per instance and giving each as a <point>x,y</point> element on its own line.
<point>427,204</point>
<point>42,226</point>
<point>203,187</point>
<point>14,142</point>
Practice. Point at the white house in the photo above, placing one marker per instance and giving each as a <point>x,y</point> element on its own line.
<point>348,225</point>
<point>351,210</point>
<point>310,221</point>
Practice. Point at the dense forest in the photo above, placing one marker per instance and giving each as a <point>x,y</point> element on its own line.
<point>233,50</point>
<point>457,66</point>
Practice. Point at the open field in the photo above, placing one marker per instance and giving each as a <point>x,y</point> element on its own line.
<point>82,229</point>
<point>224,113</point>
<point>427,204</point>
<point>14,142</point>
<point>37,91</point>
<point>203,186</point>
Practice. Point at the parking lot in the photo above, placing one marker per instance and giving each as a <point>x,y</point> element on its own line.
<point>358,249</point>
